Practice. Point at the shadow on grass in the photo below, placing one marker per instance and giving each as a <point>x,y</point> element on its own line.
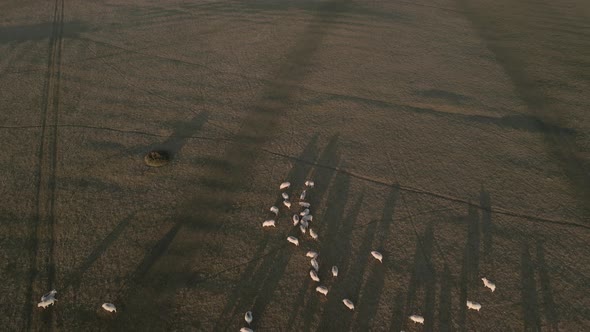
<point>470,267</point>
<point>530,303</point>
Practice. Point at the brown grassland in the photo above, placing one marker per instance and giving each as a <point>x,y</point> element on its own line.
<point>451,135</point>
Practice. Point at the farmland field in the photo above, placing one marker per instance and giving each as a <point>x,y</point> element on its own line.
<point>452,136</point>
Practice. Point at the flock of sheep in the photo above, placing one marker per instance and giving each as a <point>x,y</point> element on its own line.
<point>303,219</point>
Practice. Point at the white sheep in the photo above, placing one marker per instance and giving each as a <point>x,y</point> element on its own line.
<point>307,217</point>
<point>348,303</point>
<point>246,329</point>
<point>285,185</point>
<point>302,196</point>
<point>309,183</point>
<point>47,302</point>
<point>293,240</point>
<point>268,223</point>
<point>335,271</point>
<point>248,317</point>
<point>304,212</point>
<point>473,305</point>
<point>417,319</point>
<point>109,307</point>
<point>50,294</point>
<point>311,254</point>
<point>313,234</point>
<point>285,196</point>
<point>274,210</point>
<point>487,283</point>
<point>377,256</point>
<point>314,264</point>
<point>302,228</point>
<point>287,204</point>
<point>304,223</point>
<point>314,275</point>
<point>295,219</point>
<point>304,204</point>
<point>322,290</point>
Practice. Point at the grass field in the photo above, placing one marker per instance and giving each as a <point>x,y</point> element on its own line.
<point>453,136</point>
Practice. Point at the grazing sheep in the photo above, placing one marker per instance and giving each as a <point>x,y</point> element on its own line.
<point>377,256</point>
<point>473,305</point>
<point>304,223</point>
<point>49,295</point>
<point>311,254</point>
<point>302,196</point>
<point>487,283</point>
<point>304,212</point>
<point>307,217</point>
<point>304,204</point>
<point>314,276</point>
<point>295,219</point>
<point>335,271</point>
<point>348,303</point>
<point>285,196</point>
<point>417,319</point>
<point>309,183</point>
<point>314,264</point>
<point>285,185</point>
<point>287,204</point>
<point>302,228</point>
<point>293,240</point>
<point>313,234</point>
<point>109,307</point>
<point>248,317</point>
<point>274,210</point>
<point>47,302</point>
<point>268,223</point>
<point>322,289</point>
<point>246,329</point>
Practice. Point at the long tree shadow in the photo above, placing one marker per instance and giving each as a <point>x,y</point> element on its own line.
<point>423,277</point>
<point>250,281</point>
<point>182,131</point>
<point>470,267</point>
<point>486,222</point>
<point>530,303</point>
<point>371,293</point>
<point>445,301</point>
<point>329,224</point>
<point>549,306</point>
<point>397,312</point>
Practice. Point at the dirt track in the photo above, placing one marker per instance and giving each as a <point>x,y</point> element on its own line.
<point>451,135</point>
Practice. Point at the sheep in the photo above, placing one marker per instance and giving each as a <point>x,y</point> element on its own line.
<point>295,219</point>
<point>322,290</point>
<point>348,303</point>
<point>304,223</point>
<point>287,204</point>
<point>274,210</point>
<point>248,317</point>
<point>304,204</point>
<point>285,196</point>
<point>311,254</point>
<point>487,283</point>
<point>302,196</point>
<point>314,264</point>
<point>309,184</point>
<point>246,329</point>
<point>304,212</point>
<point>293,240</point>
<point>417,319</point>
<point>335,271</point>
<point>473,305</point>
<point>285,185</point>
<point>313,234</point>
<point>47,302</point>
<point>307,217</point>
<point>314,275</point>
<point>109,307</point>
<point>302,228</point>
<point>377,256</point>
<point>268,223</point>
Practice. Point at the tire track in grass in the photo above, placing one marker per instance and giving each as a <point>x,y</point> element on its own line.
<point>42,273</point>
